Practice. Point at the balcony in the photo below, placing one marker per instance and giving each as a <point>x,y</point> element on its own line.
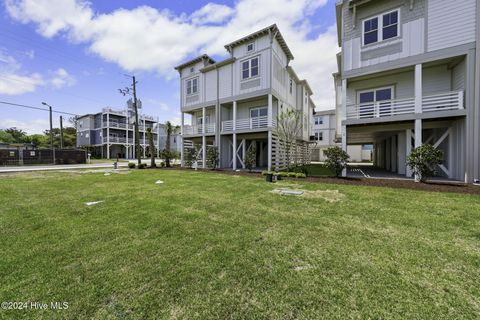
<point>198,129</point>
<point>438,102</point>
<point>247,124</point>
<point>123,140</point>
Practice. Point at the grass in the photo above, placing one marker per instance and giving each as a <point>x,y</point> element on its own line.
<point>214,246</point>
<point>318,170</point>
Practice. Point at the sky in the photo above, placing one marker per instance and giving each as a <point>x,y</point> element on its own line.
<point>74,54</point>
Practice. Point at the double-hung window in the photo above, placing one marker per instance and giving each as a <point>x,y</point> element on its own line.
<point>319,136</point>
<point>318,120</point>
<point>192,86</point>
<point>250,68</point>
<point>381,27</point>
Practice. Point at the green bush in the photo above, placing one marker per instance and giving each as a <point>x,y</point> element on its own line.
<point>250,158</point>
<point>212,157</point>
<point>141,166</point>
<point>190,157</point>
<point>336,159</point>
<point>131,165</point>
<point>162,164</point>
<point>423,161</point>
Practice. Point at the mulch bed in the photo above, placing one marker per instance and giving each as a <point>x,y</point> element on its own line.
<point>432,186</point>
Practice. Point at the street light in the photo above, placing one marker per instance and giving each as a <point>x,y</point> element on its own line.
<point>51,130</point>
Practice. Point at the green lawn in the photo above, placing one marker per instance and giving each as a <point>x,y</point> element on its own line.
<point>216,246</point>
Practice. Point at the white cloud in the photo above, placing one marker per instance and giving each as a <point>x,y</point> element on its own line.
<point>147,39</point>
<point>13,84</point>
<point>31,127</point>
<point>212,13</point>
<point>61,78</point>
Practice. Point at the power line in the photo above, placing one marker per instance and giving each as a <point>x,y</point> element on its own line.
<point>36,108</point>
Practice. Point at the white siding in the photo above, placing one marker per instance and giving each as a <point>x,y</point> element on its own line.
<point>450,23</point>
<point>436,80</point>
<point>225,74</point>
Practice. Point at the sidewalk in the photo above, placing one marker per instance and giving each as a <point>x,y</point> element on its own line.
<point>60,167</point>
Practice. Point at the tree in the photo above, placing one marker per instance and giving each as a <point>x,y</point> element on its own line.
<point>288,129</point>
<point>190,157</point>
<point>152,147</point>
<point>6,137</point>
<point>170,130</point>
<point>336,159</point>
<point>250,157</point>
<point>212,157</point>
<point>39,140</point>
<point>423,161</point>
<point>17,134</point>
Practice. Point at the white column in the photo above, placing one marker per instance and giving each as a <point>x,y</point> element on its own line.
<point>344,99</point>
<point>204,151</point>
<point>418,138</point>
<point>234,147</point>
<point>181,140</point>
<point>344,145</point>
<point>108,135</point>
<point>244,150</point>
<point>234,116</point>
<point>418,88</point>
<point>269,154</point>
<point>204,116</point>
<point>158,138</point>
<point>408,149</point>
<point>127,147</point>
<point>270,111</point>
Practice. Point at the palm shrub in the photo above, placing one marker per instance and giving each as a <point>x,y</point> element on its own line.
<point>250,157</point>
<point>212,157</point>
<point>423,161</point>
<point>337,159</point>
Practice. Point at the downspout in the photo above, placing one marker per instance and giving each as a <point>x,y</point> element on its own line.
<point>476,104</point>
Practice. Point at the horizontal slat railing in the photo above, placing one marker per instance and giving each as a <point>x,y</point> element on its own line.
<point>246,124</point>
<point>198,129</point>
<point>438,102</point>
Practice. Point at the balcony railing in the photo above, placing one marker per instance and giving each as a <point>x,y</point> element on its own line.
<point>247,124</point>
<point>198,129</point>
<point>431,103</point>
<point>124,140</point>
<point>121,125</point>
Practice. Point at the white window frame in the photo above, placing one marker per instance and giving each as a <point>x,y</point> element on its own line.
<point>318,123</point>
<point>291,86</point>
<point>190,81</point>
<point>256,108</point>
<point>380,27</point>
<point>249,60</point>
<point>392,88</point>
<point>250,44</point>
<point>318,135</point>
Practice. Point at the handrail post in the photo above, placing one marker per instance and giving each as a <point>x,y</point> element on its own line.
<point>460,100</point>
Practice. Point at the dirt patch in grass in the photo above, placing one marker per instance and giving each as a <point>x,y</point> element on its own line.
<point>386,183</point>
<point>327,195</point>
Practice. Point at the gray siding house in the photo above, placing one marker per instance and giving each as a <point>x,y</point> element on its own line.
<point>111,133</point>
<point>409,75</point>
<point>233,104</point>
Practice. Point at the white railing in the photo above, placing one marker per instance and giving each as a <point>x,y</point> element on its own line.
<point>246,124</point>
<point>198,129</point>
<point>443,101</point>
<point>124,140</point>
<point>438,102</point>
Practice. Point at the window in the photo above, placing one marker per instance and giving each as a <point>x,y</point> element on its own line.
<point>250,68</point>
<point>367,99</point>
<point>291,86</point>
<point>258,112</point>
<point>318,120</point>
<point>381,27</point>
<point>87,135</point>
<point>32,153</point>
<point>250,47</point>
<point>319,136</point>
<point>192,86</point>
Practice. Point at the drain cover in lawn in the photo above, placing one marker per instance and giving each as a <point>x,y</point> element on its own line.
<point>288,192</point>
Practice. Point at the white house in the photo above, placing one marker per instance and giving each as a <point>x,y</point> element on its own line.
<point>233,104</point>
<point>409,74</point>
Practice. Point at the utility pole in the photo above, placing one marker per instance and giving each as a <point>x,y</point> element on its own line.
<point>126,91</point>
<point>51,130</point>
<point>61,132</point>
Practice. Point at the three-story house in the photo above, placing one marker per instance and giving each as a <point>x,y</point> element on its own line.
<point>409,75</point>
<point>233,104</point>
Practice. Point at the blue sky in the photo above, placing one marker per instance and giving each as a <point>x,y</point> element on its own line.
<point>74,54</point>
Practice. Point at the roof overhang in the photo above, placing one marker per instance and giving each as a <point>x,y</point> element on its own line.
<point>307,86</point>
<point>272,30</point>
<point>218,64</point>
<point>338,11</point>
<point>204,57</point>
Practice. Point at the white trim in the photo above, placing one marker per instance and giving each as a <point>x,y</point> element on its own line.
<point>380,27</point>
<point>191,80</point>
<point>249,60</point>
<point>391,87</point>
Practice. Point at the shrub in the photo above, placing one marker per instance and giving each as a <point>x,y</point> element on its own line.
<point>190,157</point>
<point>141,166</point>
<point>250,158</point>
<point>423,161</point>
<point>300,175</point>
<point>212,157</point>
<point>162,164</point>
<point>264,173</point>
<point>131,165</point>
<point>336,159</point>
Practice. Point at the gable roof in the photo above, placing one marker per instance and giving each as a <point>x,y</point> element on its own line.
<point>273,29</point>
<point>203,57</point>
